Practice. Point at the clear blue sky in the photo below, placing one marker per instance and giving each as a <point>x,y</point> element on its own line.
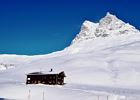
<point>43,26</point>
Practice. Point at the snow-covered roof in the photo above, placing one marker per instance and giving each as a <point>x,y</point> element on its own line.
<point>40,73</point>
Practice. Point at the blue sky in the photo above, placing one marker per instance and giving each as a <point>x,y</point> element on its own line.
<point>42,26</point>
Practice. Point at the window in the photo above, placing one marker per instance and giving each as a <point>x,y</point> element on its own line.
<point>53,77</point>
<point>28,78</point>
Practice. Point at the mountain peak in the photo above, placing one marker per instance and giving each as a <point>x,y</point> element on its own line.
<point>86,32</point>
<point>110,21</point>
<point>87,25</point>
<point>110,25</point>
<point>109,14</point>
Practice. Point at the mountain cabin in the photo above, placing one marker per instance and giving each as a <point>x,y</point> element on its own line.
<point>50,78</point>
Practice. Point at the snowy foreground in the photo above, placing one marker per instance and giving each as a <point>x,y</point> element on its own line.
<point>102,63</point>
<point>67,92</point>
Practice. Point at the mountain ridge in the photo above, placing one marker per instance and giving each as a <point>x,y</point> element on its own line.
<point>109,25</point>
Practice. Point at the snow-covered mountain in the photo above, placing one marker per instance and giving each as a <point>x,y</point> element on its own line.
<point>103,59</point>
<point>108,26</point>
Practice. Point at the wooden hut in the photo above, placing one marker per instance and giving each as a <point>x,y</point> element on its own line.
<point>46,78</point>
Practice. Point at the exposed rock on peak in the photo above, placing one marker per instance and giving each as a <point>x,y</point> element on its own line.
<point>110,25</point>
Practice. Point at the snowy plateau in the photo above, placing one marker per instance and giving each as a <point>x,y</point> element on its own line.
<point>101,63</point>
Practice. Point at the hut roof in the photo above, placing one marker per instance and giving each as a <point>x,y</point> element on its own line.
<point>34,73</point>
<point>42,73</point>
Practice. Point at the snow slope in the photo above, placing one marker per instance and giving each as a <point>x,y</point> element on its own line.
<point>103,59</point>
